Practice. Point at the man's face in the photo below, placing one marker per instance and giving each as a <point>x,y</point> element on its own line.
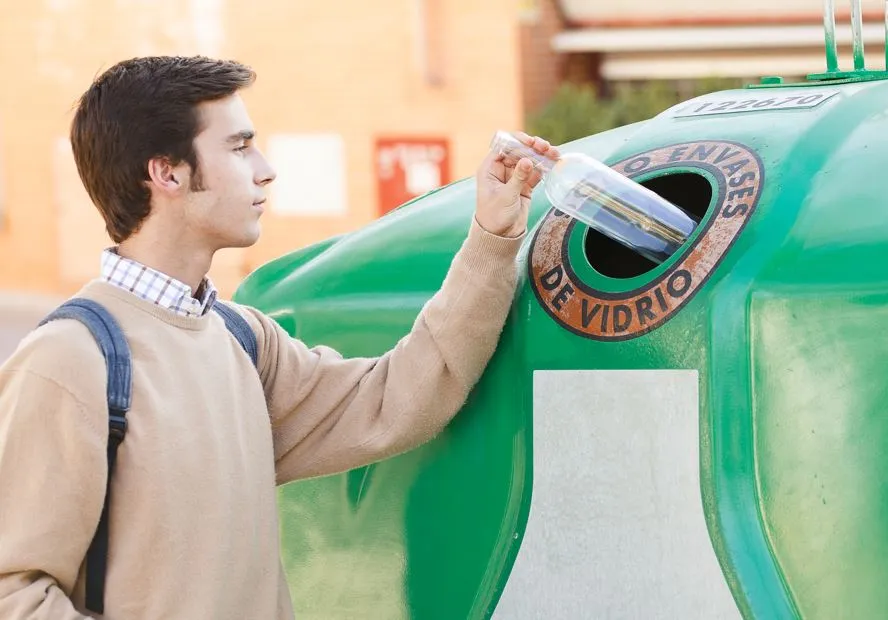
<point>226,200</point>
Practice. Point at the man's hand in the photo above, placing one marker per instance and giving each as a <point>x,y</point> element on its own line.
<point>504,188</point>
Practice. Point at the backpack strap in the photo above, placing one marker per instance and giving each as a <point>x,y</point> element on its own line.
<point>111,340</point>
<point>240,329</point>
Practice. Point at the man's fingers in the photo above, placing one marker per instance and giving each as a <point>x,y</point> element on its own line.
<point>541,146</point>
<point>493,166</point>
<point>521,174</point>
<point>492,157</point>
<point>525,138</point>
<point>538,144</point>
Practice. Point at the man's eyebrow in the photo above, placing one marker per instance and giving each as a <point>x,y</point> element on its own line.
<point>241,136</point>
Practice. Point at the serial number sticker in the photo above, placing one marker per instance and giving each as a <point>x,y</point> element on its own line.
<point>762,103</point>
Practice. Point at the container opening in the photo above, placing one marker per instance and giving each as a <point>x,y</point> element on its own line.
<point>690,191</point>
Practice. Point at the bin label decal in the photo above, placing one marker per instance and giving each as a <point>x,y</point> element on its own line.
<point>602,315</point>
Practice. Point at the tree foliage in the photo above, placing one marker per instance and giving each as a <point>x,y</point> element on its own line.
<point>578,110</point>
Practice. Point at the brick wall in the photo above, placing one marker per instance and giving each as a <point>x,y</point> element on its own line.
<point>542,69</point>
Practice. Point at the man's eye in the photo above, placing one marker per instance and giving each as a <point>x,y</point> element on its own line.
<point>242,147</point>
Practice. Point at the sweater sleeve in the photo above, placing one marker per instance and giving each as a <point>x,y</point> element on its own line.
<point>52,472</point>
<point>331,414</point>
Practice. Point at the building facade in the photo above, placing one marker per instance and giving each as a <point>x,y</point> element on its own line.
<point>359,106</point>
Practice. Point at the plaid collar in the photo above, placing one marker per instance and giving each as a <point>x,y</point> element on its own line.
<point>156,287</point>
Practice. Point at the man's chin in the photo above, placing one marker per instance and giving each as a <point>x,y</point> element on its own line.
<point>244,241</point>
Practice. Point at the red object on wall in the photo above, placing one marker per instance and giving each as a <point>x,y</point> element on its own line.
<point>409,167</point>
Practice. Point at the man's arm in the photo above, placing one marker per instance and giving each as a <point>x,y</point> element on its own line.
<point>52,473</point>
<point>331,414</point>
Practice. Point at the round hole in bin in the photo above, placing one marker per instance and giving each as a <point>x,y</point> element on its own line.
<point>692,192</point>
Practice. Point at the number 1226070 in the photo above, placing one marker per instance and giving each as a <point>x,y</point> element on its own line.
<point>758,104</point>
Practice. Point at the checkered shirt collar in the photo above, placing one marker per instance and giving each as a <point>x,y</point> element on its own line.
<point>156,287</point>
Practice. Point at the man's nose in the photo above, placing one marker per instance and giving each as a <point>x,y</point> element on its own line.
<point>265,173</point>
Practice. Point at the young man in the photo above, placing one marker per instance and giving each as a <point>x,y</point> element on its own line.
<point>167,152</point>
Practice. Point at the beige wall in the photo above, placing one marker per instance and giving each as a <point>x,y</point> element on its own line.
<point>347,71</point>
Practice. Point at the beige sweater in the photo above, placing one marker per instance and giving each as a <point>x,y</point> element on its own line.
<point>194,527</point>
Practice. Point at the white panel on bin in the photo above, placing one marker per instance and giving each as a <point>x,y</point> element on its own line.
<point>616,527</point>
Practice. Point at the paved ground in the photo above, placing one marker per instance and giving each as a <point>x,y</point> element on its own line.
<point>18,315</point>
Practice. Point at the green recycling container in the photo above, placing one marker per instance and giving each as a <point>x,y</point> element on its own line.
<point>703,438</point>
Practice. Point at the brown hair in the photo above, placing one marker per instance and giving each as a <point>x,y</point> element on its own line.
<point>137,110</point>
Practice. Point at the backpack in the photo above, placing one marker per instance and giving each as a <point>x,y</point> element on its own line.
<point>111,340</point>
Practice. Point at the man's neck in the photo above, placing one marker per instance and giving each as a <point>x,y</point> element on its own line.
<point>171,257</point>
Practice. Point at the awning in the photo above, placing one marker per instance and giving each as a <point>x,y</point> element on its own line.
<point>609,40</point>
<point>739,51</point>
<point>673,66</point>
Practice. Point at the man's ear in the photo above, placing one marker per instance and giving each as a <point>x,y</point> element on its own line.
<point>165,176</point>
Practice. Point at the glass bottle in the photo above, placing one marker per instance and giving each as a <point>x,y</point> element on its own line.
<point>605,200</point>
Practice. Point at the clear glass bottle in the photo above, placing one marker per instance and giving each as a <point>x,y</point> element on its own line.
<point>605,200</point>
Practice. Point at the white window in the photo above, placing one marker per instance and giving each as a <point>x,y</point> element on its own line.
<point>310,174</point>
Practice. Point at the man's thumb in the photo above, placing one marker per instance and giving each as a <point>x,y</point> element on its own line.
<point>522,173</point>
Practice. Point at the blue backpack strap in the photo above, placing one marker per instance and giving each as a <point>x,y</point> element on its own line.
<point>111,340</point>
<point>240,329</point>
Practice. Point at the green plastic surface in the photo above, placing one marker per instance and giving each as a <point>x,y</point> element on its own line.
<point>788,335</point>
